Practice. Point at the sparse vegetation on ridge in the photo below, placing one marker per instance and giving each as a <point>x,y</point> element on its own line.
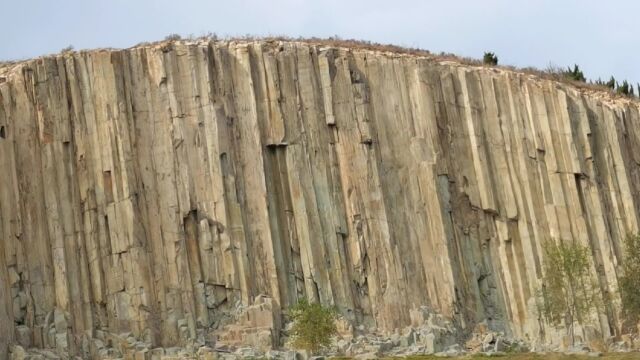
<point>551,73</point>
<point>577,79</point>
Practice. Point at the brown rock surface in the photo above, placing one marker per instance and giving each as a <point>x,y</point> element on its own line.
<point>149,190</point>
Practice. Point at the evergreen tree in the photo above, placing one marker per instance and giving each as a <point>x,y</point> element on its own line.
<point>490,58</point>
<point>611,84</point>
<point>624,88</point>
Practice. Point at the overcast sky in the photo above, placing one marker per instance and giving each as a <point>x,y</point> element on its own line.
<point>603,37</point>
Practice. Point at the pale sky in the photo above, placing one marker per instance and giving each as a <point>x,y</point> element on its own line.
<point>603,37</point>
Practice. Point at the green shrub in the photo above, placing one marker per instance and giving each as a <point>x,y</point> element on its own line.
<point>629,281</point>
<point>313,326</point>
<point>490,58</point>
<point>568,293</point>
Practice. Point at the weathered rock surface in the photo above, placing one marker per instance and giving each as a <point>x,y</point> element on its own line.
<point>148,191</point>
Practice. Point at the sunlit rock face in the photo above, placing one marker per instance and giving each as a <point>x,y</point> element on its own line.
<point>152,190</point>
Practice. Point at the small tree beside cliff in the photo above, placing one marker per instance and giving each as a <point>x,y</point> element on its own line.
<point>568,294</point>
<point>629,281</point>
<point>313,326</point>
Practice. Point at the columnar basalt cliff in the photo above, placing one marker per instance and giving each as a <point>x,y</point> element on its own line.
<point>152,190</point>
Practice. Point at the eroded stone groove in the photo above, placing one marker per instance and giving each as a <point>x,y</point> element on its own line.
<point>150,190</point>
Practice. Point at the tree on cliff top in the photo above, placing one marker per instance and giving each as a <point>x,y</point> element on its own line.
<point>490,58</point>
<point>567,292</point>
<point>313,326</point>
<point>575,74</point>
<point>625,88</point>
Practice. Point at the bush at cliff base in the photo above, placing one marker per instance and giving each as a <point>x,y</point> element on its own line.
<point>313,326</point>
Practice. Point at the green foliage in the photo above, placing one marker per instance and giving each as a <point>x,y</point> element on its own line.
<point>567,292</point>
<point>490,58</point>
<point>575,74</point>
<point>313,325</point>
<point>629,281</point>
<point>625,89</point>
<point>611,83</point>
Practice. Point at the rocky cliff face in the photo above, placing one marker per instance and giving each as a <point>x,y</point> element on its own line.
<point>151,190</point>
